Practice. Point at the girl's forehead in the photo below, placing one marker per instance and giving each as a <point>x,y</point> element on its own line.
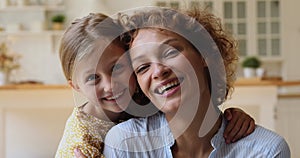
<point>102,59</point>
<point>100,48</point>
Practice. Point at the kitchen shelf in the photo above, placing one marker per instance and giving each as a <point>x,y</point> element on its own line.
<point>33,33</point>
<point>41,8</point>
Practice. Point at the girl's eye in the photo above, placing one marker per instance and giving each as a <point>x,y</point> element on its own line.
<point>92,77</point>
<point>171,53</point>
<point>141,69</point>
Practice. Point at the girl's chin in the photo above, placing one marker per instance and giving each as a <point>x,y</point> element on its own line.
<point>115,110</point>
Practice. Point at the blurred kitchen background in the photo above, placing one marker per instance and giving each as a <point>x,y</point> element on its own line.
<point>35,100</point>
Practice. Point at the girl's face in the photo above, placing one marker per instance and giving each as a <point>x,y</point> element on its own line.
<point>168,69</point>
<point>106,78</point>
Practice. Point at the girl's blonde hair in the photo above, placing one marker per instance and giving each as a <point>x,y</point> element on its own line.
<point>80,39</point>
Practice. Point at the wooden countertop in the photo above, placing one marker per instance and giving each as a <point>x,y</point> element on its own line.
<point>239,82</point>
<point>260,82</point>
<point>279,83</point>
<point>289,95</point>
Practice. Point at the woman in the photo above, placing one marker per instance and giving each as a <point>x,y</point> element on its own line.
<point>184,63</point>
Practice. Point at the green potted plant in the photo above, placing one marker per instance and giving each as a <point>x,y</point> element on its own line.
<point>58,21</point>
<point>250,64</point>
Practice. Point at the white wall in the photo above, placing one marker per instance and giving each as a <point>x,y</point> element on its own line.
<point>117,5</point>
<point>39,59</point>
<point>80,8</point>
<point>291,39</point>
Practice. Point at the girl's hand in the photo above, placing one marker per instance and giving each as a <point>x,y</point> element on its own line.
<point>78,154</point>
<point>240,124</point>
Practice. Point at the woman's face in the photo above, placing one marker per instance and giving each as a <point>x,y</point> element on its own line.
<point>168,69</point>
<point>106,78</point>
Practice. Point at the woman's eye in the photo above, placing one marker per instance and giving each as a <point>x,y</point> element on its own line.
<point>171,53</point>
<point>141,69</point>
<point>117,67</point>
<point>92,77</point>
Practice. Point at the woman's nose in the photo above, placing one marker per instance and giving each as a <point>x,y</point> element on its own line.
<point>160,71</point>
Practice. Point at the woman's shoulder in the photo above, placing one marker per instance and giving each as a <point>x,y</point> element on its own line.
<point>266,137</point>
<point>265,141</point>
<point>261,143</point>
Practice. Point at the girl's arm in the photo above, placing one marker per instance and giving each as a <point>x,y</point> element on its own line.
<point>240,124</point>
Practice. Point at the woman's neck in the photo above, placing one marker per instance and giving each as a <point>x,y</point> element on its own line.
<point>195,139</point>
<point>189,144</point>
<point>100,113</point>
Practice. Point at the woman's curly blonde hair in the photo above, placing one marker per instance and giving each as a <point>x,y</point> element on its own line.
<point>202,30</point>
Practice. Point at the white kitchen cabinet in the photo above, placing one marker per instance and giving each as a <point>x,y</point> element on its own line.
<point>32,119</point>
<point>287,122</point>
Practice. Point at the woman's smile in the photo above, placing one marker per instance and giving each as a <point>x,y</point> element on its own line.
<point>169,87</point>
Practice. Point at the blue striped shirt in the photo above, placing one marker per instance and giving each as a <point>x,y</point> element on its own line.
<point>151,138</point>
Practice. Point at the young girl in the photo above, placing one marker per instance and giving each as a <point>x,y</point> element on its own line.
<point>90,56</point>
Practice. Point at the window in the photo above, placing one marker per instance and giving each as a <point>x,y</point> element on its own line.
<point>254,23</point>
<point>204,4</point>
<point>268,28</point>
<point>235,18</point>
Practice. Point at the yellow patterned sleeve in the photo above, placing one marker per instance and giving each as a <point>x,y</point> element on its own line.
<point>83,132</point>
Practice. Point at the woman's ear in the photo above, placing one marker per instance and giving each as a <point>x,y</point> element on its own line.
<point>74,85</point>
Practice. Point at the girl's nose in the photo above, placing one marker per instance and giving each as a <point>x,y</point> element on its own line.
<point>107,84</point>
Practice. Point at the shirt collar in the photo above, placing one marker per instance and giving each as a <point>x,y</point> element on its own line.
<point>218,139</point>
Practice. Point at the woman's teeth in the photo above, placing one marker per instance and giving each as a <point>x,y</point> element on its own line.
<point>168,86</point>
